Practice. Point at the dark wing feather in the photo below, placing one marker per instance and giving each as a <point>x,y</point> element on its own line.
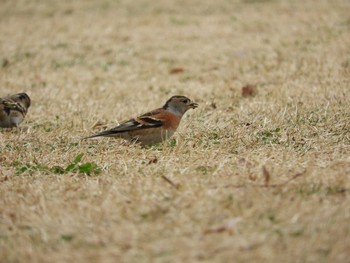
<point>142,122</point>
<point>9,105</point>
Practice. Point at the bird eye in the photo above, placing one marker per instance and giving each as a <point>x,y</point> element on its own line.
<point>186,101</point>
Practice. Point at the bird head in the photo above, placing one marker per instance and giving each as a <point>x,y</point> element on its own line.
<point>23,99</point>
<point>179,104</point>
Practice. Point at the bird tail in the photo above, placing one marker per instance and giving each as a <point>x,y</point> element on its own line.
<point>108,133</point>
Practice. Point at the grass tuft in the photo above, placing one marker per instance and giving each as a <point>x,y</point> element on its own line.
<point>74,167</point>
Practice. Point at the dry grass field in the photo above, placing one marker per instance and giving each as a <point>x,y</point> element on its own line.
<point>256,178</point>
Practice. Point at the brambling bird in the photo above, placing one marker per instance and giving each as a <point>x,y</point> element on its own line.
<point>13,109</point>
<point>155,126</point>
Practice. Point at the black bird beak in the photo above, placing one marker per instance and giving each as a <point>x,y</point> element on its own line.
<point>193,105</point>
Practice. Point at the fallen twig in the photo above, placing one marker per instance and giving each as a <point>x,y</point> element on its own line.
<point>287,181</point>
<point>176,186</point>
<point>264,185</point>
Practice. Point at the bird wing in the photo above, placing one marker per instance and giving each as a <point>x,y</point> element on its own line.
<point>7,105</point>
<point>148,120</point>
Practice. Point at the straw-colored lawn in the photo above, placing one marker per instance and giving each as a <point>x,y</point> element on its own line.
<point>261,178</point>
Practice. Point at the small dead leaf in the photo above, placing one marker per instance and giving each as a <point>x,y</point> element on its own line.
<point>3,179</point>
<point>228,227</point>
<point>219,229</point>
<point>39,80</point>
<point>153,160</point>
<point>176,70</point>
<point>213,105</point>
<point>248,91</point>
<point>229,109</point>
<point>267,175</point>
<point>3,158</point>
<point>252,177</point>
<point>214,68</point>
<point>5,63</point>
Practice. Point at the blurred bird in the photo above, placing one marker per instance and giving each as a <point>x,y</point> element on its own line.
<point>155,126</point>
<point>13,109</point>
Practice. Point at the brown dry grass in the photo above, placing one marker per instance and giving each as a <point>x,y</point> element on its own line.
<point>206,197</point>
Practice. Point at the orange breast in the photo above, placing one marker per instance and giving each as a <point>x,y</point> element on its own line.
<point>171,121</point>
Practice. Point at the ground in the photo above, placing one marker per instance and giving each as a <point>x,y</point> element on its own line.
<point>255,176</point>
